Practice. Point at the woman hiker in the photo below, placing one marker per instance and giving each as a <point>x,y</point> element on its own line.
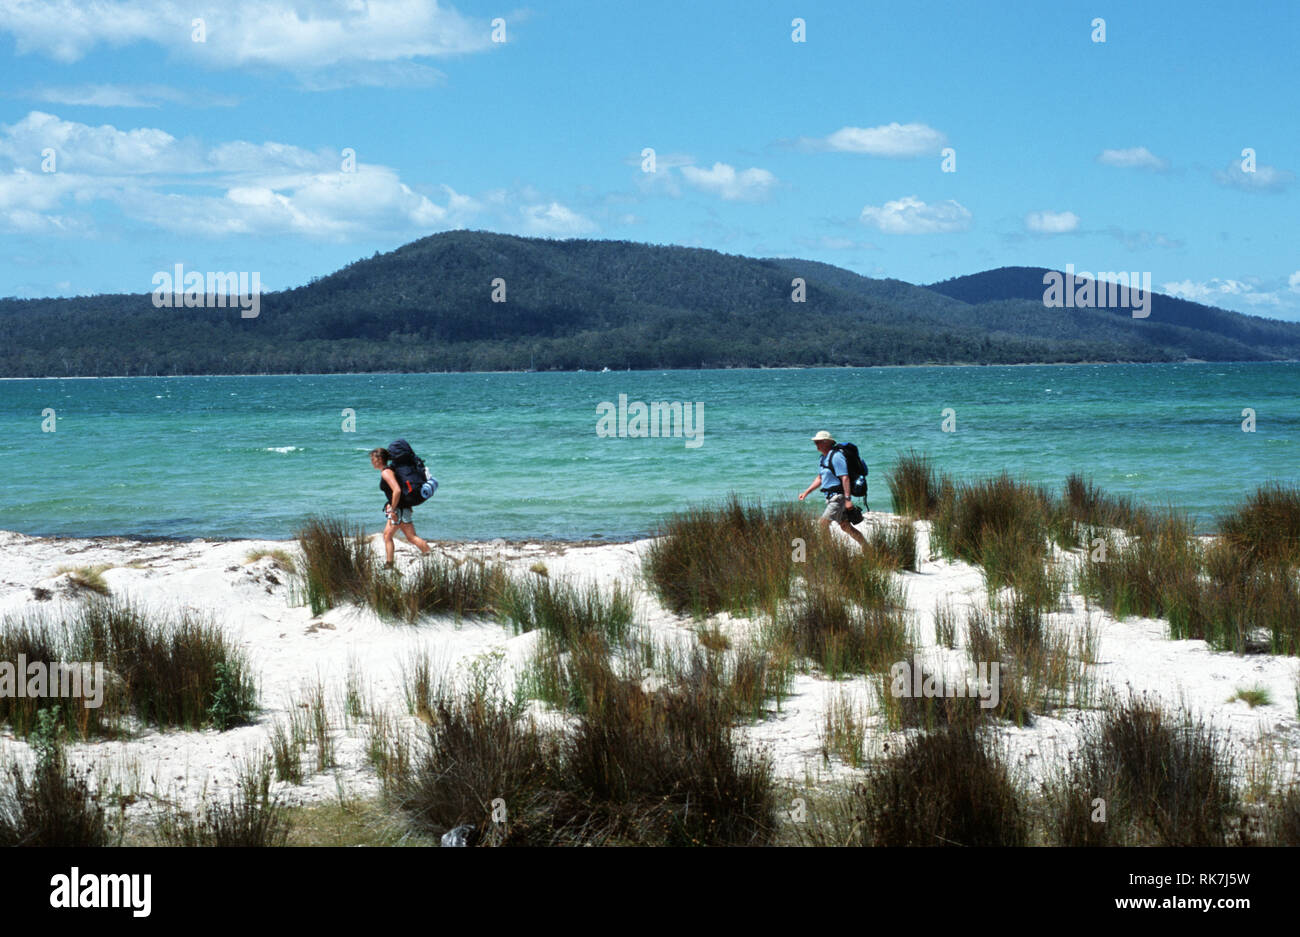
<point>399,518</point>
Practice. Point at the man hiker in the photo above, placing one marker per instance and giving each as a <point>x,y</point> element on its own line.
<point>834,482</point>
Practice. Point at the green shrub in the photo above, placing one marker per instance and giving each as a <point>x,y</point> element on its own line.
<point>1266,528</point>
<point>650,768</point>
<point>338,563</point>
<point>737,557</point>
<point>1162,779</point>
<point>55,806</point>
<point>914,486</point>
<point>567,611</point>
<point>181,671</point>
<point>947,788</point>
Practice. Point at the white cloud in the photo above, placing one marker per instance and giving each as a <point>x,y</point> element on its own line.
<point>308,36</point>
<point>35,191</point>
<point>100,150</point>
<point>234,188</point>
<point>109,95</point>
<point>664,180</point>
<point>748,185</point>
<point>894,140</point>
<point>1263,179</point>
<point>554,219</point>
<point>371,75</point>
<point>1052,222</point>
<point>662,161</point>
<point>1207,289</point>
<point>31,203</point>
<point>241,188</point>
<point>239,156</point>
<point>910,215</point>
<point>325,206</point>
<point>1275,295</point>
<point>1137,157</point>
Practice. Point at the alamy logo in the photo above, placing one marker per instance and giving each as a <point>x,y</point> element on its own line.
<point>982,680</point>
<point>102,890</point>
<point>658,418</point>
<point>38,679</point>
<point>1108,290</point>
<point>193,290</point>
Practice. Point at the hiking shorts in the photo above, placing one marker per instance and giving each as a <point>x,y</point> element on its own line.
<point>402,516</point>
<point>834,508</point>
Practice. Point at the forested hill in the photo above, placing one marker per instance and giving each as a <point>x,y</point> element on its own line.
<point>573,304</point>
<point>1026,283</point>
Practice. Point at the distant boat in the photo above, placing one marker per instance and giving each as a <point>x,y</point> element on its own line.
<point>604,370</point>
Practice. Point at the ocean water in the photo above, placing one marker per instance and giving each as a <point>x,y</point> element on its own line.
<point>518,455</point>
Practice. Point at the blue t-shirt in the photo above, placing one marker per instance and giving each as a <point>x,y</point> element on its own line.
<point>831,476</point>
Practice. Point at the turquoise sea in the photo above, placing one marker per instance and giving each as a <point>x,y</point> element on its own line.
<point>518,455</point>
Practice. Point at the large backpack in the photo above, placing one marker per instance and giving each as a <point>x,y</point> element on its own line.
<point>414,480</point>
<point>857,468</point>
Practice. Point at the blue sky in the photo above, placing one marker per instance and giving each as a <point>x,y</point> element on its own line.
<point>228,154</point>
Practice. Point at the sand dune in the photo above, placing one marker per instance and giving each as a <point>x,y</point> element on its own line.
<point>289,648</point>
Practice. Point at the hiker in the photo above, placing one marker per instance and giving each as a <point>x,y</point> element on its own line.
<point>399,518</point>
<point>834,482</point>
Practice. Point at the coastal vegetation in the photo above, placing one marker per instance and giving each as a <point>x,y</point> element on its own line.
<point>139,668</point>
<point>602,728</point>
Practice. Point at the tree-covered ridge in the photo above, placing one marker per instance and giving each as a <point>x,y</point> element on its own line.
<point>427,306</point>
<point>1007,283</point>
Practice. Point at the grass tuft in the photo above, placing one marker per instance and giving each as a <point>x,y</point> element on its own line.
<point>88,578</point>
<point>251,816</point>
<point>948,788</point>
<point>169,672</point>
<point>54,806</point>
<point>736,557</point>
<point>914,486</point>
<point>1144,776</point>
<point>639,766</point>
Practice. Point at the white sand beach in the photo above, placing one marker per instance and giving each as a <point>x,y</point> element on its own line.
<point>290,648</point>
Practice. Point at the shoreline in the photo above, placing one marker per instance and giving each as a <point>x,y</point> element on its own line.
<point>811,367</point>
<point>125,539</point>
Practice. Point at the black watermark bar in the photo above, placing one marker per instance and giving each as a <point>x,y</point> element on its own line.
<point>330,886</point>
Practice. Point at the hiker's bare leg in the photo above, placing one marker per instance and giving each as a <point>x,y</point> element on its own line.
<point>389,530</point>
<point>854,533</point>
<point>408,531</point>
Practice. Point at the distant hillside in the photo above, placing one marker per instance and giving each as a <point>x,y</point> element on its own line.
<point>1248,335</point>
<point>574,304</point>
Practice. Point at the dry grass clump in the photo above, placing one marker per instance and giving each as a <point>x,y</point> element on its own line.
<point>914,486</point>
<point>53,805</point>
<point>737,557</point>
<point>640,766</point>
<point>946,788</point>
<point>180,671</point>
<point>1145,776</point>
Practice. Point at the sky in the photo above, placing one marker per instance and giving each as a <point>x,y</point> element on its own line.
<point>916,140</point>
